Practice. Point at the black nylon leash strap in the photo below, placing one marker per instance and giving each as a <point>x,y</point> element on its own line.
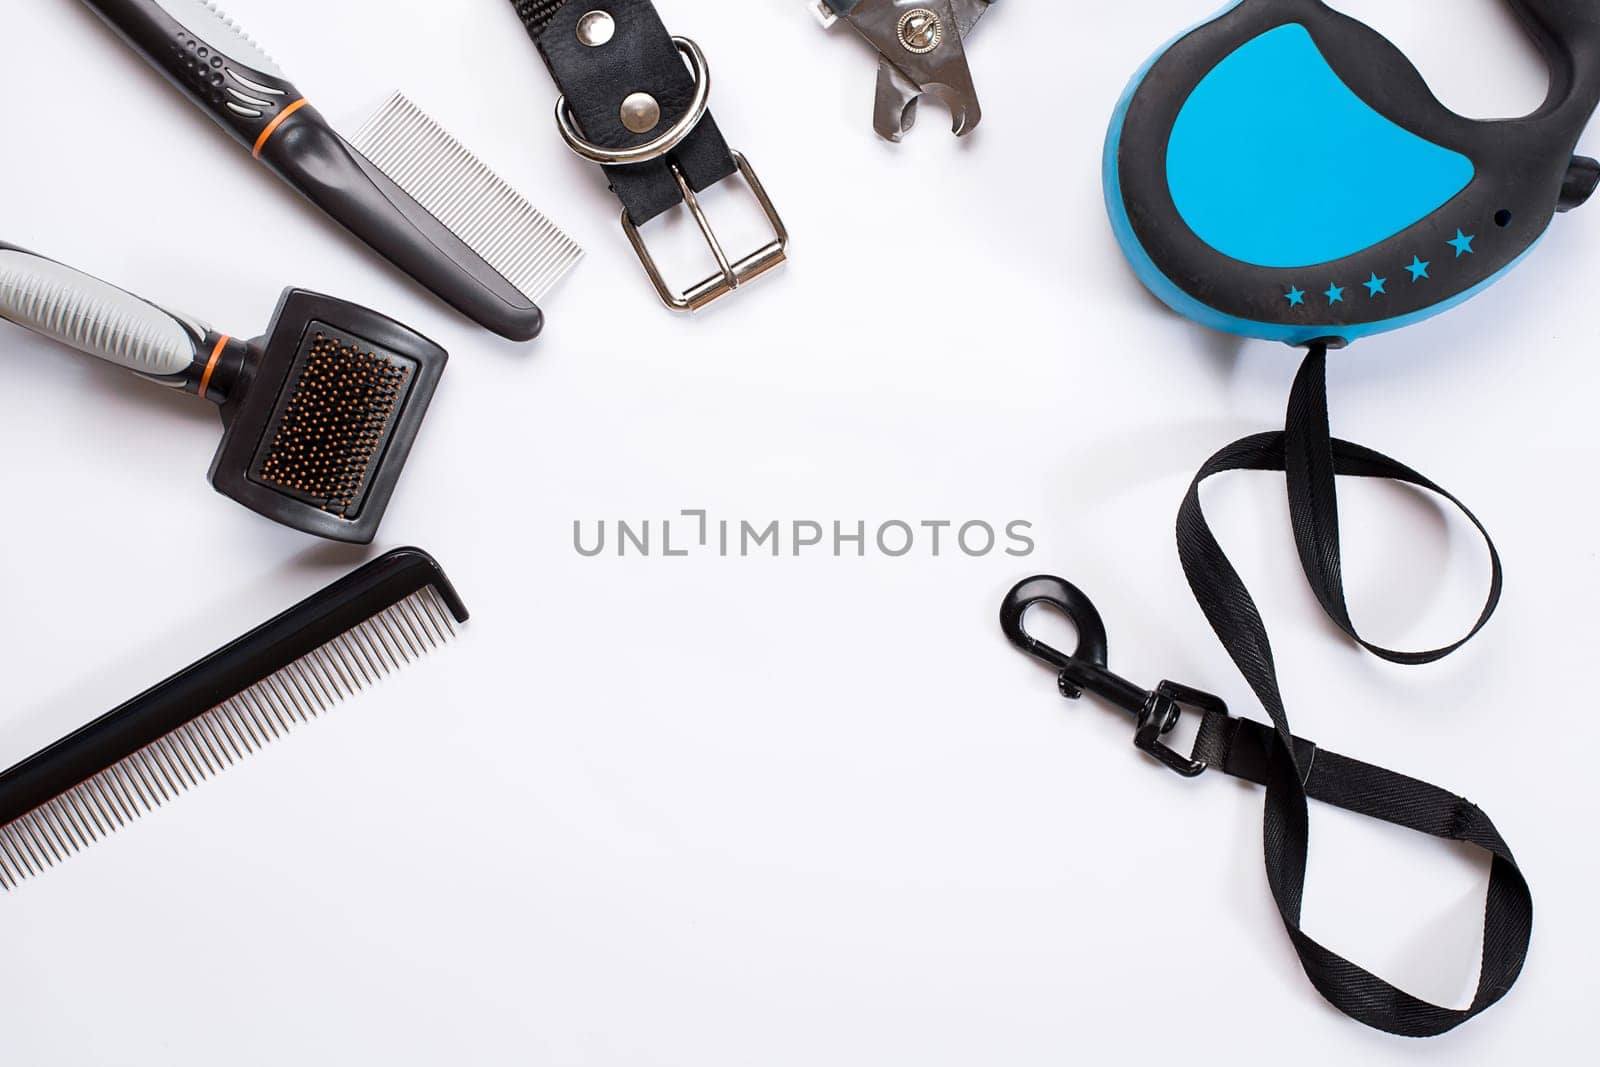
<point>596,76</point>
<point>1295,771</point>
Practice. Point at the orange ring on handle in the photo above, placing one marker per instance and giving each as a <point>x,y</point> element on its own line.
<point>211,364</point>
<point>272,127</point>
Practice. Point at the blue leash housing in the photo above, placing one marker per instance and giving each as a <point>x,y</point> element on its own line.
<point>1283,172</point>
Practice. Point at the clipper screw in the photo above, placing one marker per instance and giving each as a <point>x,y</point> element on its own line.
<point>921,31</point>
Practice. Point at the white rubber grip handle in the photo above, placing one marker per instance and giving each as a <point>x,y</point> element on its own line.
<point>91,316</point>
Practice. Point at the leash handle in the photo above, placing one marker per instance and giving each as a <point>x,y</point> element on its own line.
<point>1295,771</point>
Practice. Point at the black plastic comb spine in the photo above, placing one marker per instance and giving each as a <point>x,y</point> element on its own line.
<point>225,673</point>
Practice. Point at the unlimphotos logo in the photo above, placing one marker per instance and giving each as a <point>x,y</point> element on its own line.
<point>696,533</point>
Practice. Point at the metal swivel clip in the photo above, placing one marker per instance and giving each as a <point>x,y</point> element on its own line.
<point>1157,712</point>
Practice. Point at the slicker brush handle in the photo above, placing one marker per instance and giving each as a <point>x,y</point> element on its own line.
<point>75,309</point>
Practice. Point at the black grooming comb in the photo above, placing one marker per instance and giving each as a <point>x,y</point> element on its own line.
<point>234,701</point>
<point>406,188</point>
<point>318,414</point>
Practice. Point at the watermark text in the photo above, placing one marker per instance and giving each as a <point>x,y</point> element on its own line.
<point>696,532</point>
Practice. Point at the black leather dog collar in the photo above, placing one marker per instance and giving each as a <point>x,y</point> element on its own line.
<point>631,104</point>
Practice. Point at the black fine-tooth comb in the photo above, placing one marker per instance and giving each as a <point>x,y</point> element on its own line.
<point>318,414</point>
<point>203,719</point>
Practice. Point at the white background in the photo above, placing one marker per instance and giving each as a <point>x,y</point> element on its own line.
<point>732,812</point>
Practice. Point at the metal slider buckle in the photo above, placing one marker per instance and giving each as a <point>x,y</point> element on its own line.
<point>730,275</point>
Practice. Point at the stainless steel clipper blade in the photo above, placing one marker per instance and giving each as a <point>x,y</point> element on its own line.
<point>922,51</point>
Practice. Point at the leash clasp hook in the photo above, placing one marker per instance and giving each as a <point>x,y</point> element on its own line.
<point>1156,711</point>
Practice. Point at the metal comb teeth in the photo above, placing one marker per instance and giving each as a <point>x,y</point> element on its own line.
<point>455,187</point>
<point>218,29</point>
<point>214,740</point>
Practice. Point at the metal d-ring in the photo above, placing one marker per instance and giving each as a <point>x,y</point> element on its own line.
<point>659,146</point>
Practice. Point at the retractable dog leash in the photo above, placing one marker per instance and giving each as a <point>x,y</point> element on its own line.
<point>1283,172</point>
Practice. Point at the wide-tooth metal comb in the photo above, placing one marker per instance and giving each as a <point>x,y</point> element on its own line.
<point>458,189</point>
<point>235,701</point>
